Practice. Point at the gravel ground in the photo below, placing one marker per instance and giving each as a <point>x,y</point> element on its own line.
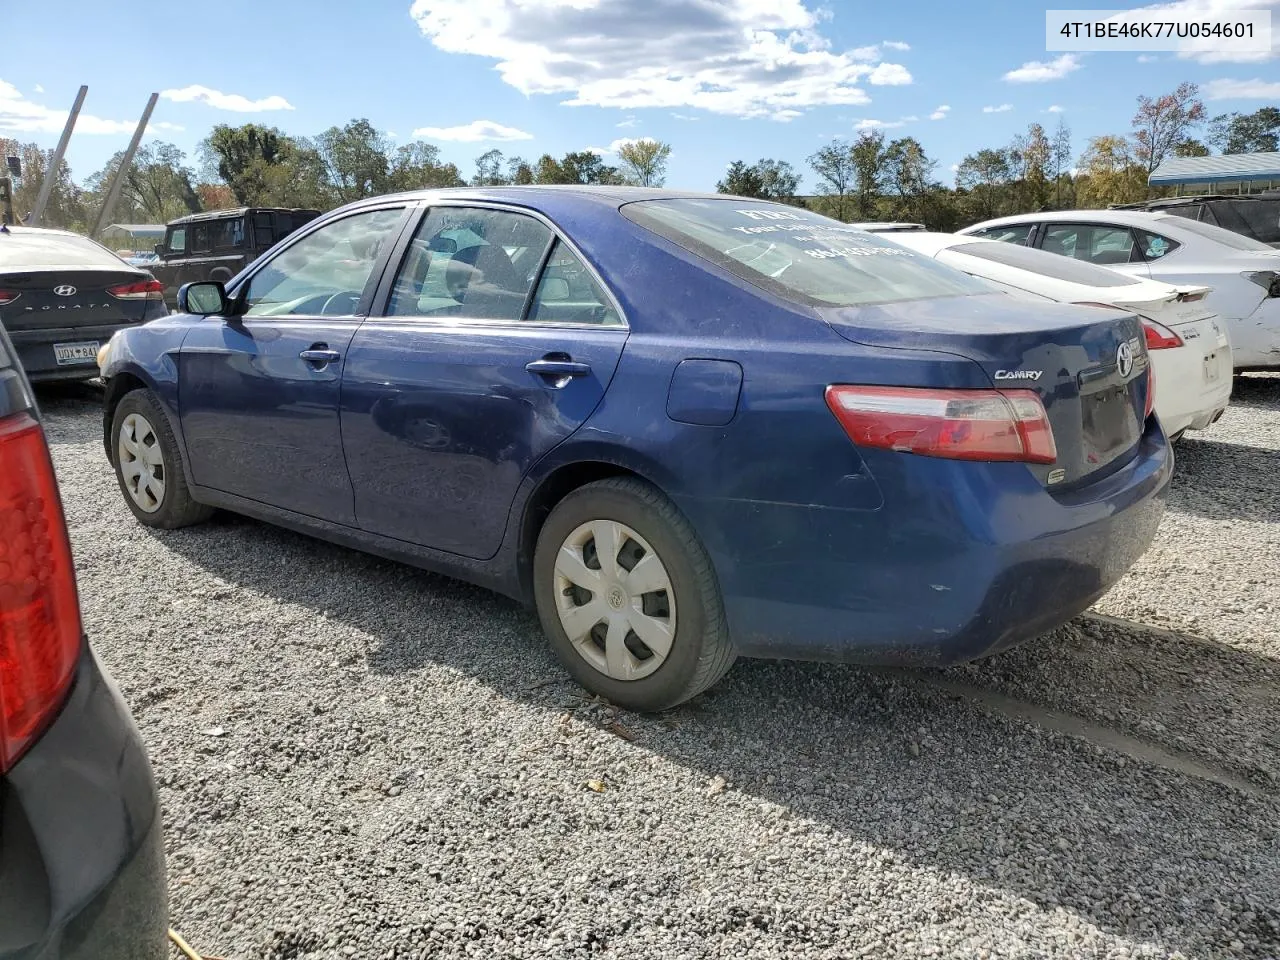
<point>357,759</point>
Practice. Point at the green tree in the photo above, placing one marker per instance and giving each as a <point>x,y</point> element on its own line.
<point>229,153</point>
<point>1162,123</point>
<point>644,162</point>
<point>1060,165</point>
<point>355,160</point>
<point>417,166</point>
<point>519,172</point>
<point>834,167</point>
<point>66,207</point>
<point>157,187</point>
<point>1257,132</point>
<point>908,173</point>
<point>489,170</point>
<point>1030,156</point>
<point>766,179</point>
<point>1111,173</point>
<point>985,175</point>
<point>870,172</point>
<point>1190,147</point>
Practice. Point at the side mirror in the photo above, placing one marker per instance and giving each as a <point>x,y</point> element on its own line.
<point>208,298</point>
<point>159,249</point>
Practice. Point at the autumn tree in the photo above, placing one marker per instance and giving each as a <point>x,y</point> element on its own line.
<point>837,175</point>
<point>1110,173</point>
<point>65,208</point>
<point>1030,156</point>
<point>1164,122</point>
<point>644,162</point>
<point>1257,132</point>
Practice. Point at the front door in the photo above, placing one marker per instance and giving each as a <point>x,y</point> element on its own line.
<point>497,343</point>
<point>259,390</point>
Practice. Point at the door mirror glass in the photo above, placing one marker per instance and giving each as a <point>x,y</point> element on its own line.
<point>159,249</point>
<point>204,299</point>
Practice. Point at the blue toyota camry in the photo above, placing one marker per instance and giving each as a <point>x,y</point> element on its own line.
<point>683,427</point>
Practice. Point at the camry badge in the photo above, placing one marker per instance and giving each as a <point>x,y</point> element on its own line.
<point>1124,360</point>
<point>1019,374</point>
<point>66,290</point>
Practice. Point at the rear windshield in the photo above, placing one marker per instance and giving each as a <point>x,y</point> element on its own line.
<point>1259,219</point>
<point>1224,237</point>
<point>799,255</point>
<point>1045,264</point>
<point>35,248</point>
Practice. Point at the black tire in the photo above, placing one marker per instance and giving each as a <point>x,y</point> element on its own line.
<point>701,652</point>
<point>176,507</point>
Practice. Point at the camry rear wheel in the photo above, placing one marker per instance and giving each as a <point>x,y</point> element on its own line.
<point>627,595</point>
<point>148,468</point>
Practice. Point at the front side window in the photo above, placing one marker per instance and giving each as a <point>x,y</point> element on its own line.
<point>1010,233</point>
<point>1096,243</point>
<point>177,240</point>
<point>799,255</point>
<point>470,262</point>
<point>567,293</point>
<point>325,273</point>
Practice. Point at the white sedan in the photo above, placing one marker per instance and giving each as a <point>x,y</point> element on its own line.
<point>1189,346</point>
<point>1244,273</point>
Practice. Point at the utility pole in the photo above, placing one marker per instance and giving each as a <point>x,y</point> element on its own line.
<point>117,181</point>
<point>51,172</point>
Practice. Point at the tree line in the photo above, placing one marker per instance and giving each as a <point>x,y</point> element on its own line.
<point>871,177</point>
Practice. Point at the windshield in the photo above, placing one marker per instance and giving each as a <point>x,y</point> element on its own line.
<point>1045,264</point>
<point>1224,237</point>
<point>799,255</point>
<point>38,248</point>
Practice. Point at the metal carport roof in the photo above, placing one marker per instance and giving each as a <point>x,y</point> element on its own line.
<point>1221,169</point>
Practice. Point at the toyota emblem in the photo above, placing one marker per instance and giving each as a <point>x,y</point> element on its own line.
<point>1124,360</point>
<point>66,290</point>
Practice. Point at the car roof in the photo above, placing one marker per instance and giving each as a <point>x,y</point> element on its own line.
<point>1131,218</point>
<point>20,231</point>
<point>234,212</point>
<point>549,196</point>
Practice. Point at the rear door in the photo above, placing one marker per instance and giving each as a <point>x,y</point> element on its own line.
<point>259,389</point>
<point>497,342</point>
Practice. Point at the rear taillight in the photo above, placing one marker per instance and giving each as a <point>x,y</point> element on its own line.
<point>957,424</point>
<point>1159,337</point>
<point>142,290</point>
<point>40,631</point>
<point>8,296</point>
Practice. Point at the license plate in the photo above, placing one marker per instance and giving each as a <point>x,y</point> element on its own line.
<point>66,353</point>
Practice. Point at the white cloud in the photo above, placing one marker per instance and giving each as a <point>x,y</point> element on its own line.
<point>878,124</point>
<point>232,102</point>
<point>20,115</point>
<point>618,144</point>
<point>889,75</point>
<point>473,132</point>
<point>1054,109</point>
<point>629,122</point>
<point>745,58</point>
<point>896,45</point>
<point>1198,8</point>
<point>1241,90</point>
<point>941,112</point>
<point>1003,108</point>
<point>1037,71</point>
<point>685,116</point>
<point>37,89</point>
<point>1147,58</point>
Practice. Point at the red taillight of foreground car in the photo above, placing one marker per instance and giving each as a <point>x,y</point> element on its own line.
<point>1159,337</point>
<point>40,631</point>
<point>957,424</point>
<point>142,290</point>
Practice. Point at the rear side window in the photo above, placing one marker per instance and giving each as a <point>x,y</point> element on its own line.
<point>1045,264</point>
<point>798,255</point>
<point>1154,246</point>
<point>228,234</point>
<point>567,293</point>
<point>39,248</point>
<point>1011,233</point>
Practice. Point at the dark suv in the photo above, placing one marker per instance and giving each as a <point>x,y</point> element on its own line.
<point>82,872</point>
<point>1256,216</point>
<point>220,243</point>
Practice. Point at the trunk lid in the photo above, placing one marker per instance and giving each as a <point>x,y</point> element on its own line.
<point>1087,365</point>
<point>69,297</point>
<point>1187,306</point>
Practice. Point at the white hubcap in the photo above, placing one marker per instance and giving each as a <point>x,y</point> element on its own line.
<point>141,464</point>
<point>615,600</point>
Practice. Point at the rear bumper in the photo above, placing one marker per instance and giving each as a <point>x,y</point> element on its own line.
<point>954,571</point>
<point>81,854</point>
<point>1186,399</point>
<point>35,350</point>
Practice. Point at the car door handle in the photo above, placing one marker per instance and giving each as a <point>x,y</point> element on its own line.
<point>315,355</point>
<point>558,368</point>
